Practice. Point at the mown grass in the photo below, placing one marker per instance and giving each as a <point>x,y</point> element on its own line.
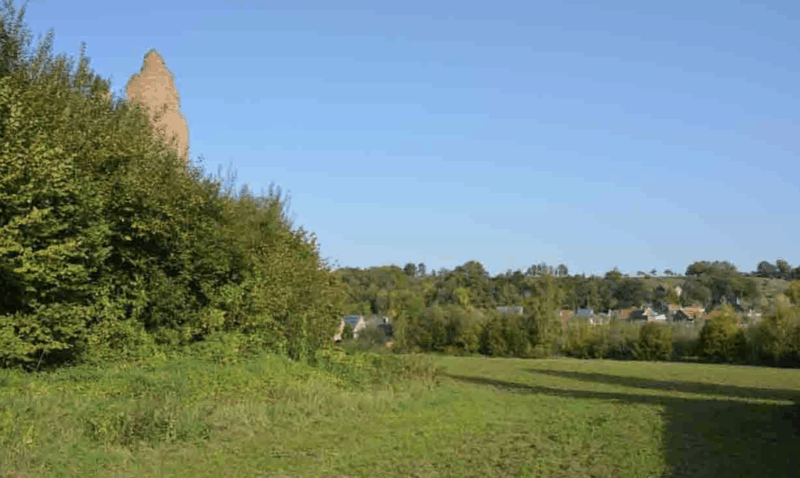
<point>369,415</point>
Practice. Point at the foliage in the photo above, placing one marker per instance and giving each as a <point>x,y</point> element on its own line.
<point>372,336</point>
<point>721,339</point>
<point>793,292</point>
<point>655,342</point>
<point>776,339</point>
<point>614,341</point>
<point>347,331</point>
<point>110,245</point>
<point>685,338</point>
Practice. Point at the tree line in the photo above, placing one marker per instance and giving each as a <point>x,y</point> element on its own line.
<point>456,312</point>
<point>382,290</point>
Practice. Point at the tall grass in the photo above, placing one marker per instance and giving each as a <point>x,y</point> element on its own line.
<point>106,412</point>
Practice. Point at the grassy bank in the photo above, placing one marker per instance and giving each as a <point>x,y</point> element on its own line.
<point>388,416</point>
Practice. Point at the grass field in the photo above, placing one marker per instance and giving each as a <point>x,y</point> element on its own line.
<point>484,418</point>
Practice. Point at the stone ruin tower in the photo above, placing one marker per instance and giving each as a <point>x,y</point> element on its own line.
<point>154,88</point>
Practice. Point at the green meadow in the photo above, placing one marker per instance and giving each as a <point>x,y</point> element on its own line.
<point>385,415</point>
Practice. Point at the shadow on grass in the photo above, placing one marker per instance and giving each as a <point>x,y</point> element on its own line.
<point>730,391</point>
<point>703,437</point>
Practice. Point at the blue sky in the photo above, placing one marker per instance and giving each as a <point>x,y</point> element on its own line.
<point>596,134</point>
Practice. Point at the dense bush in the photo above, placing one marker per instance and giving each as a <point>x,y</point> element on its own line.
<point>776,340</point>
<point>685,338</point>
<point>614,341</point>
<point>721,339</point>
<point>371,336</point>
<point>364,368</point>
<point>504,335</point>
<point>347,331</point>
<point>463,330</point>
<point>110,245</point>
<point>584,341</point>
<point>655,342</point>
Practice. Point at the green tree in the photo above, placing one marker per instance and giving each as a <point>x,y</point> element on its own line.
<point>614,275</point>
<point>493,341</point>
<point>766,269</point>
<point>695,292</point>
<point>347,331</point>
<point>778,335</point>
<point>721,339</point>
<point>371,336</point>
<point>463,296</point>
<point>784,270</point>
<point>793,292</point>
<point>540,319</point>
<point>655,342</point>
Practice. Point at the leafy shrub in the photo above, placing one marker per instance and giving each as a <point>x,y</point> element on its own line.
<point>363,368</point>
<point>793,292</point>
<point>580,342</point>
<point>463,330</point>
<point>776,339</point>
<point>721,339</point>
<point>493,337</point>
<point>371,336</point>
<point>655,342</point>
<point>113,340</point>
<point>432,329</point>
<point>685,339</point>
<point>615,341</point>
<point>347,331</point>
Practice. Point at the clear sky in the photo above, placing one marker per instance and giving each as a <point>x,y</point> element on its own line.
<point>596,134</point>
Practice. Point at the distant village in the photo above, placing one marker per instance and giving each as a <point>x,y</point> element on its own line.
<point>672,313</point>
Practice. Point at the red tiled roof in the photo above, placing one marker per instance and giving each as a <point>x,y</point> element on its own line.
<point>693,311</point>
<point>625,313</point>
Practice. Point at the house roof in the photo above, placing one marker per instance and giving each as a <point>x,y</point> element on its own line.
<point>625,313</point>
<point>681,315</point>
<point>693,311</point>
<point>639,314</point>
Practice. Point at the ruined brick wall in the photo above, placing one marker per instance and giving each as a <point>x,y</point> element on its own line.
<point>154,88</point>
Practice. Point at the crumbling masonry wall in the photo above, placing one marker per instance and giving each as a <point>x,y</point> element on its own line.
<point>154,88</point>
